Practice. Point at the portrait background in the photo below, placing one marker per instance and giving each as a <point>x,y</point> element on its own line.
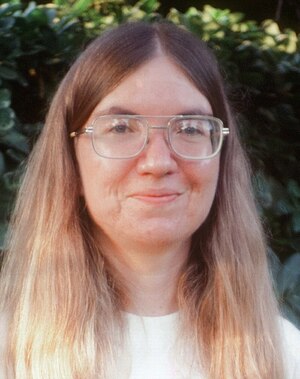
<point>259,53</point>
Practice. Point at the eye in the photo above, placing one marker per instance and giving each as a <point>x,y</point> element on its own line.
<point>120,128</point>
<point>190,130</point>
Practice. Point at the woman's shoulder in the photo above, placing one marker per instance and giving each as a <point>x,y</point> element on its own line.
<point>290,337</point>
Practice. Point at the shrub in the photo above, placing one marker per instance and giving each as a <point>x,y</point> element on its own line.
<point>262,68</point>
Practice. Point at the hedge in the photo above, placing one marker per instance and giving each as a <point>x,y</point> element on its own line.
<point>261,65</point>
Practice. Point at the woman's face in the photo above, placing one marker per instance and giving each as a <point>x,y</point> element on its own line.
<point>156,198</point>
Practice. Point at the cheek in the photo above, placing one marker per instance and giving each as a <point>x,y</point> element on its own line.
<point>205,175</point>
<point>99,193</point>
<point>102,181</point>
<point>204,183</point>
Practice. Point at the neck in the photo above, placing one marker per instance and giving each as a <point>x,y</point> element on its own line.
<point>148,275</point>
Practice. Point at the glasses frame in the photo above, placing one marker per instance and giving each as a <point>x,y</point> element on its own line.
<point>223,132</point>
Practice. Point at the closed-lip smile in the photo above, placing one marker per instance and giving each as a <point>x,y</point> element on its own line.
<point>156,196</point>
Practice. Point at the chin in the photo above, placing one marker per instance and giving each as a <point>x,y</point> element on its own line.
<point>163,238</point>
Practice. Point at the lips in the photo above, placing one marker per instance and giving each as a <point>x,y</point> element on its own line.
<point>156,196</point>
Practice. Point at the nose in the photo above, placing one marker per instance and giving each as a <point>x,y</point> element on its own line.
<point>157,159</point>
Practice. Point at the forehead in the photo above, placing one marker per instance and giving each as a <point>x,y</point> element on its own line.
<point>158,87</point>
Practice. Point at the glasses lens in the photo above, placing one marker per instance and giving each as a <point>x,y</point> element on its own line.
<point>195,137</point>
<point>118,137</point>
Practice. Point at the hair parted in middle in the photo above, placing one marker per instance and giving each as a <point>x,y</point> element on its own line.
<point>224,293</point>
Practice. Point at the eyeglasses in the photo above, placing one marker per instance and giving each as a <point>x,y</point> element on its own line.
<point>125,136</point>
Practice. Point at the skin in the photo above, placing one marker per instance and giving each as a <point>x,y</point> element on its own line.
<point>146,209</point>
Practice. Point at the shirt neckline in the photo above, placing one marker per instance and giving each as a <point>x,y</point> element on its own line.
<point>164,318</point>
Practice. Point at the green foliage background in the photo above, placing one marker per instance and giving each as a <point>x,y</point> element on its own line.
<point>261,65</point>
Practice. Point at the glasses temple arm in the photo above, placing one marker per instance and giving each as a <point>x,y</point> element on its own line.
<point>85,130</point>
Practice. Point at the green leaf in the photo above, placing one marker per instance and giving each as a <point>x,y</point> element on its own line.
<point>296,223</point>
<point>2,163</point>
<point>283,207</point>
<point>8,9</point>
<point>4,98</point>
<point>263,190</point>
<point>294,301</point>
<point>80,6</point>
<point>294,188</point>
<point>3,229</point>
<point>30,8</point>
<point>39,17</point>
<point>7,120</point>
<point>6,201</point>
<point>16,155</point>
<point>8,73</point>
<point>148,6</point>
<point>16,140</point>
<point>6,23</point>
<point>289,275</point>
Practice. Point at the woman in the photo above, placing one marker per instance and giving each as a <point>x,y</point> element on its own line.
<point>135,249</point>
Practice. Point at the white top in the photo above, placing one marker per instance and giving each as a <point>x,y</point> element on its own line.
<point>150,353</point>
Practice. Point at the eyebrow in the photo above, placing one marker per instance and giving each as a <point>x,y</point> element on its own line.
<point>196,112</point>
<point>117,110</point>
<point>114,110</point>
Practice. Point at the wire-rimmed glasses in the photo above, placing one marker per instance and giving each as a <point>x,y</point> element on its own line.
<point>125,136</point>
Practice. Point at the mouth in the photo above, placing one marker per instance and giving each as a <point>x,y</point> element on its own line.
<point>157,197</point>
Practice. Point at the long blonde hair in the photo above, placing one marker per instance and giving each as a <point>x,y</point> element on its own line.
<point>62,301</point>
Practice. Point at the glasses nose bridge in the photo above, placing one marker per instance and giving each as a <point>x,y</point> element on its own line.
<point>158,127</point>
